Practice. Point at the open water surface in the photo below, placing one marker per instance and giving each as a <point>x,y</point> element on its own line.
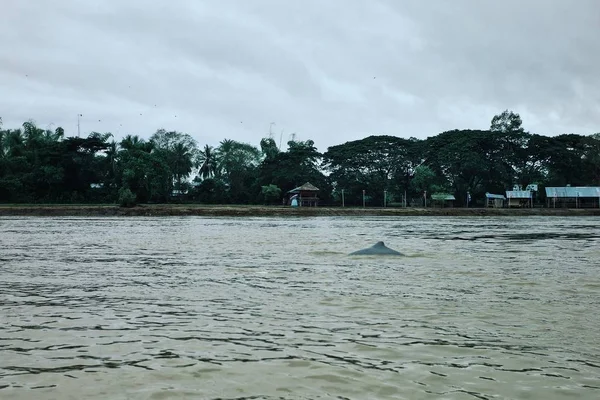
<point>273,308</point>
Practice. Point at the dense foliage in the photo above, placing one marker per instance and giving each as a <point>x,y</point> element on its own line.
<point>43,166</point>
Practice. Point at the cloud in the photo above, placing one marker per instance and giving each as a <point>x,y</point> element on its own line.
<point>330,71</point>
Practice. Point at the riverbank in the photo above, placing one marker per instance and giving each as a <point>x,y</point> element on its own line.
<point>274,211</point>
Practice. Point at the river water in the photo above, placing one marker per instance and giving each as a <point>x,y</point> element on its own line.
<point>273,308</point>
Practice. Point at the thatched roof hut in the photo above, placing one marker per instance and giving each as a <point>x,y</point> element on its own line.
<point>305,194</point>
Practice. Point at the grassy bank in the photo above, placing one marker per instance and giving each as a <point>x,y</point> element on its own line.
<point>272,211</point>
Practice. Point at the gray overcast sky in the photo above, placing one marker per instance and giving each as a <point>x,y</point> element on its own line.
<point>329,70</point>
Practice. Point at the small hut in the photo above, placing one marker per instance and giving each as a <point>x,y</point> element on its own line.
<point>494,200</point>
<point>443,200</point>
<point>305,195</point>
<point>519,198</point>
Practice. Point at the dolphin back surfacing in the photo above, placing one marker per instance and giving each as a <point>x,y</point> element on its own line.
<point>378,249</point>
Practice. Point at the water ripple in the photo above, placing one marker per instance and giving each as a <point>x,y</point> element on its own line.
<point>184,307</point>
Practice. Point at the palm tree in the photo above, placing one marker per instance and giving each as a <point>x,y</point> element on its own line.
<point>14,143</point>
<point>224,155</point>
<point>34,139</point>
<point>182,162</point>
<point>56,136</point>
<point>207,162</point>
<point>136,143</point>
<point>130,142</point>
<point>111,157</point>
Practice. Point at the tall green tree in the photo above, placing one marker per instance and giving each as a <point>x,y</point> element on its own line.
<point>507,122</point>
<point>181,163</point>
<point>238,169</point>
<point>143,170</point>
<point>426,180</point>
<point>82,165</point>
<point>469,160</point>
<point>269,148</point>
<point>374,164</point>
<point>294,167</point>
<point>511,148</point>
<point>570,159</point>
<point>208,162</point>
<point>178,150</point>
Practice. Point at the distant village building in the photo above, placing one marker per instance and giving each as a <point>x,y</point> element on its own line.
<point>573,196</point>
<point>177,194</point>
<point>304,196</point>
<point>519,198</point>
<point>442,200</point>
<point>494,200</point>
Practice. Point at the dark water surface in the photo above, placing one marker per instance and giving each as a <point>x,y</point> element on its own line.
<point>238,308</point>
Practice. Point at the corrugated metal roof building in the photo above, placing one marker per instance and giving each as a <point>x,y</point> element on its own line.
<point>573,191</point>
<point>442,196</point>
<point>494,200</point>
<point>573,196</point>
<point>443,200</point>
<point>519,198</point>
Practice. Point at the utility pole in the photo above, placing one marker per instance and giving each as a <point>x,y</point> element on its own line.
<point>78,126</point>
<point>280,139</point>
<point>343,203</point>
<point>384,198</point>
<point>363,198</point>
<point>271,130</point>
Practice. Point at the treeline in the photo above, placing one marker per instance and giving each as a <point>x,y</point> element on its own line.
<point>43,166</point>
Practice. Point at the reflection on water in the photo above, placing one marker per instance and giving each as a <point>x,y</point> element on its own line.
<point>157,308</point>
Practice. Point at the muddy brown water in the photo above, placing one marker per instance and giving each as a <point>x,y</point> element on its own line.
<point>273,308</point>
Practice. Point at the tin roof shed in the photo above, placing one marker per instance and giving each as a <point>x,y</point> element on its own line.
<point>518,194</point>
<point>573,191</point>
<point>442,196</point>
